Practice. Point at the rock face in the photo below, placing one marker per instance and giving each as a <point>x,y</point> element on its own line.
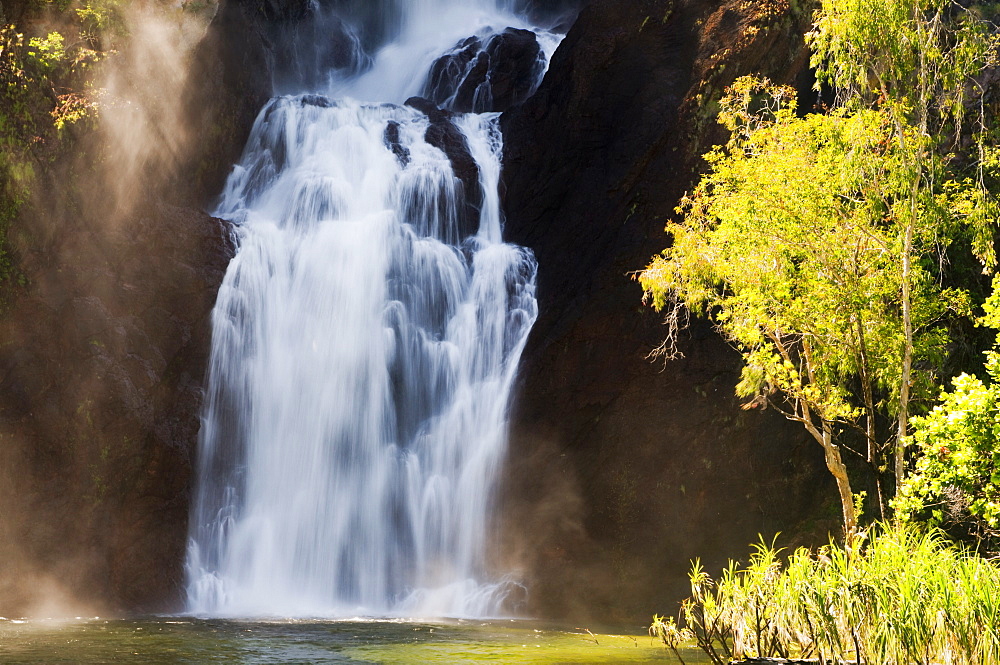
<point>556,13</point>
<point>622,469</point>
<point>230,81</point>
<point>106,347</point>
<point>100,390</point>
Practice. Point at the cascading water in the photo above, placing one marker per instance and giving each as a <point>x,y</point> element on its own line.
<point>365,340</point>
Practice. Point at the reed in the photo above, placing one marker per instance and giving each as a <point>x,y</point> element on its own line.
<point>898,596</point>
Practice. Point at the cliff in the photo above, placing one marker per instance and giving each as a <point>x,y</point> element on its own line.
<point>623,468</point>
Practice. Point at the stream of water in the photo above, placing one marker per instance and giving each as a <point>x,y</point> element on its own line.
<point>366,335</point>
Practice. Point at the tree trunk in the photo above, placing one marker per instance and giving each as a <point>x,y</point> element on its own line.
<point>835,464</point>
<point>904,383</point>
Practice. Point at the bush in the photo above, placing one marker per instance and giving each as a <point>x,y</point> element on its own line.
<point>955,483</point>
<point>902,596</point>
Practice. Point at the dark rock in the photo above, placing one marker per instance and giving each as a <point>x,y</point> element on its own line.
<point>392,142</point>
<point>516,62</point>
<point>428,108</point>
<point>444,135</point>
<point>285,10</point>
<point>490,76</point>
<point>230,82</point>
<point>557,14</point>
<point>308,50</point>
<point>623,469</point>
<point>450,70</point>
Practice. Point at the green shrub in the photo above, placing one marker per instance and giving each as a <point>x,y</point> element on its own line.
<point>955,483</point>
<point>902,596</point>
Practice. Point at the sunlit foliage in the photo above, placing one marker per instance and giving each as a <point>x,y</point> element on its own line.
<point>956,480</point>
<point>899,597</point>
<point>814,242</point>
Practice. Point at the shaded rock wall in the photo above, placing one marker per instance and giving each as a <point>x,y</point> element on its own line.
<point>622,469</point>
<point>106,343</point>
<point>100,379</point>
<point>230,81</point>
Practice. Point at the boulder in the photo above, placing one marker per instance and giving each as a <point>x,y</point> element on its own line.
<point>444,135</point>
<point>484,76</point>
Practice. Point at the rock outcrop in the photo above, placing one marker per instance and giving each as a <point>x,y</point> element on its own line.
<point>622,468</point>
<point>487,74</point>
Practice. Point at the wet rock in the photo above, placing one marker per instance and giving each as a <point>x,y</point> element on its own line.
<point>558,14</point>
<point>309,50</point>
<point>490,75</point>
<point>516,62</point>
<point>449,71</point>
<point>392,142</point>
<point>444,135</point>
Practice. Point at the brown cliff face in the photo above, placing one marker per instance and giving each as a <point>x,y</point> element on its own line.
<point>100,379</point>
<point>105,345</point>
<point>622,469</point>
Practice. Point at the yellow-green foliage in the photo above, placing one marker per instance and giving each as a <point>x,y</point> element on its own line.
<point>956,478</point>
<point>902,596</point>
<point>815,242</point>
<point>48,53</point>
<point>100,19</point>
<point>44,91</point>
<point>793,243</point>
<point>17,123</point>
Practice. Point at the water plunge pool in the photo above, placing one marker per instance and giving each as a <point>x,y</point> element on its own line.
<point>176,641</point>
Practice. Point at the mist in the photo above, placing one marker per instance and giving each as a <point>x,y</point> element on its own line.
<point>104,324</point>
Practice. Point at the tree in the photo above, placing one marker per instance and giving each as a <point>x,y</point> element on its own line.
<point>789,244</point>
<point>915,60</point>
<point>816,242</point>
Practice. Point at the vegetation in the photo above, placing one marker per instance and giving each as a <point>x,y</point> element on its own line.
<point>955,483</point>
<point>914,60</point>
<point>820,244</point>
<point>46,97</point>
<point>828,248</point>
<point>903,596</point>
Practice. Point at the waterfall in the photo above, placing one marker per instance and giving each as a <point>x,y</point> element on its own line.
<point>365,338</point>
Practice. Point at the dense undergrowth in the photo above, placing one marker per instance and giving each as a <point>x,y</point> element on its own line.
<point>899,596</point>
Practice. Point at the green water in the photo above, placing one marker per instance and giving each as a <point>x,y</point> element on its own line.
<point>183,641</point>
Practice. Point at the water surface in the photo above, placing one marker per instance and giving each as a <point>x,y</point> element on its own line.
<point>187,640</point>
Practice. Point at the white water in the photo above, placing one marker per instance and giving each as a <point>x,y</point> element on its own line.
<point>365,340</point>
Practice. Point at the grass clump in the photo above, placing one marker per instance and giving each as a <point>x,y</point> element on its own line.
<point>900,596</point>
